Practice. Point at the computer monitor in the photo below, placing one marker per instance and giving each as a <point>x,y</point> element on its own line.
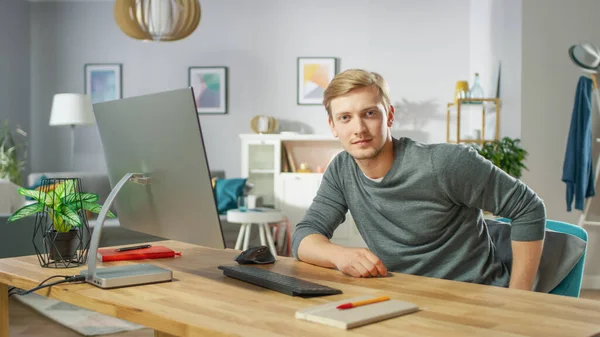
<point>160,179</point>
<point>160,135</point>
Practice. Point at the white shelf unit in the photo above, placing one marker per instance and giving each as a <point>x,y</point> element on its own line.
<point>477,120</point>
<point>265,159</point>
<point>259,171</point>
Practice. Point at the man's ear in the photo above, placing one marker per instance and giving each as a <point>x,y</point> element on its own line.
<point>332,126</point>
<point>390,116</point>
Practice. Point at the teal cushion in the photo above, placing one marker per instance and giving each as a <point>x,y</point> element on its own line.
<point>226,193</point>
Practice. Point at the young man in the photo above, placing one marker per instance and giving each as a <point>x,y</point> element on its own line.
<point>417,206</point>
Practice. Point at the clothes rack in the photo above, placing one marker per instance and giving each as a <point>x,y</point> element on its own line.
<point>583,218</point>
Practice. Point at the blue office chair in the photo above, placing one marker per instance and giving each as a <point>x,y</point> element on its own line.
<point>571,284</point>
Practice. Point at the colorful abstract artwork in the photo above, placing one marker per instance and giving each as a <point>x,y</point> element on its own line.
<point>314,74</point>
<point>103,82</point>
<point>210,89</point>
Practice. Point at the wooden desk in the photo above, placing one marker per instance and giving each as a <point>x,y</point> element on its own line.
<point>203,302</point>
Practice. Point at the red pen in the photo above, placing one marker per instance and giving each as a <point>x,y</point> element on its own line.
<point>350,305</point>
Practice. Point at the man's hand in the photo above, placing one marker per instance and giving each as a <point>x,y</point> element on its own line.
<point>359,262</point>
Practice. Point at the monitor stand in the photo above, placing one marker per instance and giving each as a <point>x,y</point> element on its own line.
<point>125,276</point>
<point>121,276</point>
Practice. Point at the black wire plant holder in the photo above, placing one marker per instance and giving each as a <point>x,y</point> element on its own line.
<point>61,249</point>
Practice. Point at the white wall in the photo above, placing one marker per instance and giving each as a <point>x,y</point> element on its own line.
<point>481,58</point>
<point>14,64</point>
<point>506,36</point>
<point>414,44</point>
<point>550,27</point>
<point>495,39</point>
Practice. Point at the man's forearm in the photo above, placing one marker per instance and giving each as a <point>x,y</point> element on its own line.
<point>316,249</point>
<point>526,260</point>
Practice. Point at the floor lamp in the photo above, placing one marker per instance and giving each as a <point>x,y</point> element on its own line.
<point>72,109</point>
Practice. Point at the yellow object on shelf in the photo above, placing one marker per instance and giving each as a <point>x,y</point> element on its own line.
<point>461,90</point>
<point>304,168</point>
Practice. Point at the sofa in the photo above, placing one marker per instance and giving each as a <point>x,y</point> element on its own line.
<point>16,238</point>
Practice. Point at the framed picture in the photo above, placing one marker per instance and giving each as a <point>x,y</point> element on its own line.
<point>210,89</point>
<point>103,81</point>
<point>314,74</point>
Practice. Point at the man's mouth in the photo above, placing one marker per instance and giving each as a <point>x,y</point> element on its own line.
<point>361,141</point>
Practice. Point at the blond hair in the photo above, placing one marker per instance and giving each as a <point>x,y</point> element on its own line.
<point>351,79</point>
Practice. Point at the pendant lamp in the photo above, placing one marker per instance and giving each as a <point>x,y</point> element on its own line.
<point>157,20</point>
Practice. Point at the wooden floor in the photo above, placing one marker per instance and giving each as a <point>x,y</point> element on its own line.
<point>591,294</point>
<point>25,322</point>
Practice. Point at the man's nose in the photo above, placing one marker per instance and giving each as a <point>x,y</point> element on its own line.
<point>359,126</point>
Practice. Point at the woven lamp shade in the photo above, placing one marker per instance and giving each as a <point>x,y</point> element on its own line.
<point>157,20</point>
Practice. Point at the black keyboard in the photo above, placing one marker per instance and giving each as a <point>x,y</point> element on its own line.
<point>278,282</point>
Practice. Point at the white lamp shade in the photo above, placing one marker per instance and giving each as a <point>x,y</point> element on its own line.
<point>72,109</point>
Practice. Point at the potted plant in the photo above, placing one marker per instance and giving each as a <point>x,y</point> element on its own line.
<point>64,205</point>
<point>505,153</point>
<point>12,162</point>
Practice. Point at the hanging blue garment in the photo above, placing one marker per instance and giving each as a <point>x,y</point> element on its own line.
<point>578,170</point>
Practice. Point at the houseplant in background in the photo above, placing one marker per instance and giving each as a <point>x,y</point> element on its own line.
<point>60,205</point>
<point>505,153</point>
<point>13,155</point>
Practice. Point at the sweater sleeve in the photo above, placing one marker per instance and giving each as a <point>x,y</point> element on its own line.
<point>326,212</point>
<point>470,180</point>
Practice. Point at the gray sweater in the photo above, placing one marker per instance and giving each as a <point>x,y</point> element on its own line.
<point>424,217</point>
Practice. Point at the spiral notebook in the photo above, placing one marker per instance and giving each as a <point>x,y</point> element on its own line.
<point>328,314</point>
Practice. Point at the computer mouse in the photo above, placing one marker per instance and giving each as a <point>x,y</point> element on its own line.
<point>256,255</point>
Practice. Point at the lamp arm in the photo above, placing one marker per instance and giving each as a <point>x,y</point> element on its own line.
<point>138,178</point>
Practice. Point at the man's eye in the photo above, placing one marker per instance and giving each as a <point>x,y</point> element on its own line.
<point>370,113</point>
<point>344,118</point>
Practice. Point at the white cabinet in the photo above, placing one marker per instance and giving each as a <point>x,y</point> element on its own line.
<point>296,193</point>
<point>260,164</point>
<point>271,163</point>
<point>267,157</point>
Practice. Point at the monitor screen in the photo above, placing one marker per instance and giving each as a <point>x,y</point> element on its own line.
<point>160,135</point>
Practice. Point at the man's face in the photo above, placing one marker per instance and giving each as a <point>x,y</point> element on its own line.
<point>360,121</point>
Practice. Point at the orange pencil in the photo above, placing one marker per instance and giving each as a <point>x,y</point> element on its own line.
<point>365,302</point>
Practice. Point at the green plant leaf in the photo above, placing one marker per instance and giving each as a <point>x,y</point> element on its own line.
<point>12,155</point>
<point>58,221</point>
<point>70,186</point>
<point>507,154</point>
<point>58,192</point>
<point>40,196</point>
<point>25,211</point>
<point>63,189</point>
<point>74,198</point>
<point>70,216</point>
<point>95,208</point>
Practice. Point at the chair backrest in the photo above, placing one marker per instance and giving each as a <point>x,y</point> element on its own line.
<point>571,284</point>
